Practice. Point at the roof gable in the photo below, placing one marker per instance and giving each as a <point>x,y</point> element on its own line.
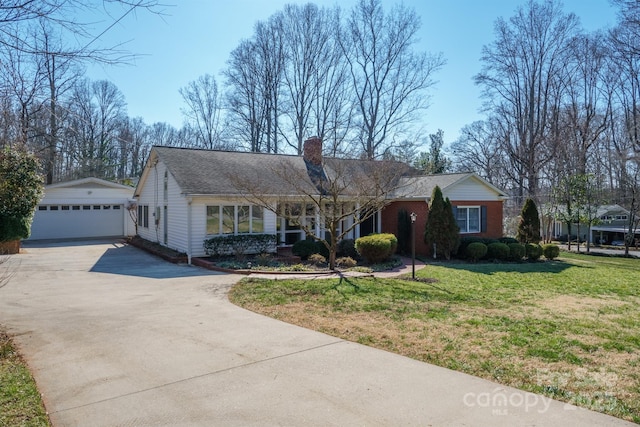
<point>421,187</point>
<point>90,182</point>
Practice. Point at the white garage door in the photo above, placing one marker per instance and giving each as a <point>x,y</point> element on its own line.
<point>77,221</point>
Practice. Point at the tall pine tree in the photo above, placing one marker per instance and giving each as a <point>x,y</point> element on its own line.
<point>441,228</point>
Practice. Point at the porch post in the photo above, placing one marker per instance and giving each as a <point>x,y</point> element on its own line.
<point>357,220</point>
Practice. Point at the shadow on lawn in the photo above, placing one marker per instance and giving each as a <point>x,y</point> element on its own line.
<point>555,266</point>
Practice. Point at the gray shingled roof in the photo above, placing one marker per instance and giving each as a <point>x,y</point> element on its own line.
<point>214,172</point>
<point>422,186</point>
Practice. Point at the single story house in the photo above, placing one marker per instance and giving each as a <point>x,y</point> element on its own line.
<point>610,227</point>
<point>84,208</point>
<point>185,196</point>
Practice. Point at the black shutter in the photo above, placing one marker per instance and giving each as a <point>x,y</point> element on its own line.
<point>483,218</point>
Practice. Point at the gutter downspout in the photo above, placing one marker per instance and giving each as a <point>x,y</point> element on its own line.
<point>189,249</point>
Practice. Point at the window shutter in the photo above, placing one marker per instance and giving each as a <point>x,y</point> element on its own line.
<point>483,218</point>
<point>455,212</point>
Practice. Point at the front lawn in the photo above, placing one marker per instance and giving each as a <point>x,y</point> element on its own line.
<point>568,329</point>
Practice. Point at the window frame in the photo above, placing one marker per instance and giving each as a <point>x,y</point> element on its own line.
<point>232,220</point>
<point>467,221</point>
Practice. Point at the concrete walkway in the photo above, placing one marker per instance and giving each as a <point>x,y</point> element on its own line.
<point>116,337</point>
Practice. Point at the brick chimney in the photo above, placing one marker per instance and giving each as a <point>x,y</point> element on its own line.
<point>312,151</point>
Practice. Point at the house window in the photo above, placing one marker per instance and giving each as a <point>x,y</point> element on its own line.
<point>468,219</point>
<point>228,217</point>
<point>53,208</point>
<point>165,187</point>
<point>292,218</point>
<point>86,207</point>
<point>240,219</point>
<point>65,207</point>
<point>143,216</point>
<point>75,207</point>
<point>42,207</point>
<point>213,219</point>
<point>621,217</point>
<point>257,219</point>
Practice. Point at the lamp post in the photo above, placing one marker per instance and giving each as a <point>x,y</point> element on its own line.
<point>413,245</point>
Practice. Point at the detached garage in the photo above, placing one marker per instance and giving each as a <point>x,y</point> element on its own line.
<point>84,208</point>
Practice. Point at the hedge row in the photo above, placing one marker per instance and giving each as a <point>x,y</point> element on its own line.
<point>240,244</point>
<point>500,251</point>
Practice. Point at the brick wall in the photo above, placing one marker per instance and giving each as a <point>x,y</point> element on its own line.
<point>390,219</point>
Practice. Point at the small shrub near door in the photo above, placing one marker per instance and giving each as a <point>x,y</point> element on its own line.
<point>376,248</point>
<point>304,248</point>
<point>347,248</point>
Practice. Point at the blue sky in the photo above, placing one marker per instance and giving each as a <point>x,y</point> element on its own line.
<point>195,37</point>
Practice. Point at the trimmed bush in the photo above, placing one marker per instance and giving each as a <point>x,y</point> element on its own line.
<point>376,248</point>
<point>497,250</point>
<point>551,251</point>
<point>239,245</point>
<point>466,241</point>
<point>393,240</point>
<point>508,240</point>
<point>516,251</point>
<point>476,250</point>
<point>533,251</point>
<point>346,262</point>
<point>347,248</point>
<point>304,248</point>
<point>321,249</point>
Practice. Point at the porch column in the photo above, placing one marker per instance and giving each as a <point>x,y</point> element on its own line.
<point>356,230</point>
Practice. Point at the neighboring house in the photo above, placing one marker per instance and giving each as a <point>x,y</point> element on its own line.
<point>188,195</point>
<point>84,208</point>
<point>610,227</point>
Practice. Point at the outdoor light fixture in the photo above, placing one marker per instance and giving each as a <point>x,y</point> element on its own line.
<point>413,216</point>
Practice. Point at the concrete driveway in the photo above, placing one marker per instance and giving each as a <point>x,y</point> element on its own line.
<point>117,337</point>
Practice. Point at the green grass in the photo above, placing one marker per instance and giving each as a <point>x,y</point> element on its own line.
<point>20,402</point>
<point>567,328</point>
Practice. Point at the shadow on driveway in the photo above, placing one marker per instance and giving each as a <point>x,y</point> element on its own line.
<point>130,261</point>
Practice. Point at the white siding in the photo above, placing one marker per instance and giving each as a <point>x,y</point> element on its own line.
<point>199,220</point>
<point>470,189</point>
<point>152,195</point>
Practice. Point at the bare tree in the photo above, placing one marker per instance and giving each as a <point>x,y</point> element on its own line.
<point>521,78</point>
<point>338,194</point>
<point>588,101</point>
<point>98,112</point>
<point>204,111</point>
<point>479,150</point>
<point>312,69</point>
<point>390,80</point>
<point>244,101</point>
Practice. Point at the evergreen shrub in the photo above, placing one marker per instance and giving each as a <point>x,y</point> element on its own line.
<point>551,251</point>
<point>475,251</point>
<point>498,251</point>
